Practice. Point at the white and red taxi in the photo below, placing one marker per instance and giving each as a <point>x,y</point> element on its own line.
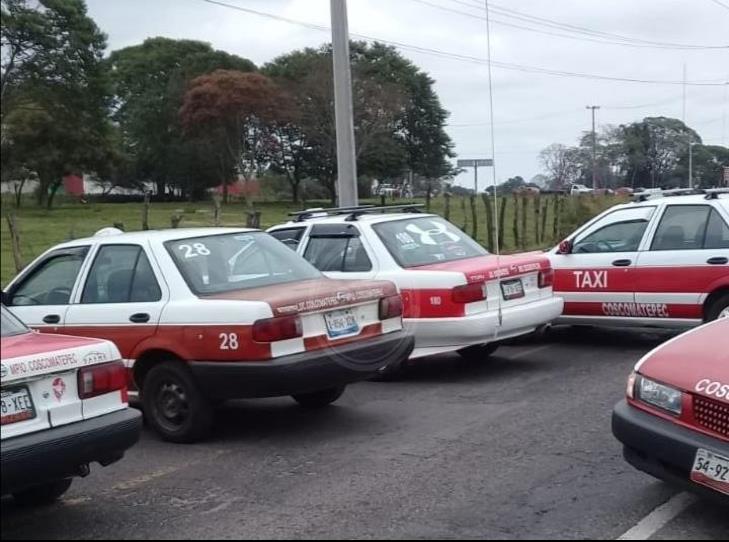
<point>457,296</point>
<point>662,262</point>
<point>674,423</point>
<point>64,406</point>
<point>209,314</point>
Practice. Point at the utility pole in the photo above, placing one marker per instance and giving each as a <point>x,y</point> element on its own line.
<point>594,146</point>
<point>346,158</point>
<point>691,163</point>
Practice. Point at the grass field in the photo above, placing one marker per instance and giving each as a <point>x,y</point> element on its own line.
<point>40,229</point>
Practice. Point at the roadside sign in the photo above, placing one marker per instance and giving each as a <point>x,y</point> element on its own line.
<point>482,162</point>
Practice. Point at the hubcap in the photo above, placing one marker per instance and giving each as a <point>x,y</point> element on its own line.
<point>172,404</point>
<point>724,313</point>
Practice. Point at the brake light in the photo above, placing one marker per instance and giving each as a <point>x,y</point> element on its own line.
<point>277,329</point>
<point>546,278</point>
<point>469,293</point>
<point>102,379</point>
<point>390,307</point>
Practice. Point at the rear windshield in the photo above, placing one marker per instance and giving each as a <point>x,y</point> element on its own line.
<point>10,325</point>
<point>426,240</point>
<point>221,263</point>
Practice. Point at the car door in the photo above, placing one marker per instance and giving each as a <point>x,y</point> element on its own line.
<point>122,298</point>
<point>40,296</point>
<point>687,258</point>
<point>339,251</point>
<point>596,279</point>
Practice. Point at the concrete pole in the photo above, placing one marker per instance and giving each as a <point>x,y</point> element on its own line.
<point>346,157</point>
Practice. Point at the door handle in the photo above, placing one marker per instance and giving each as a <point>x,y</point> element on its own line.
<point>718,260</point>
<point>622,263</point>
<point>51,318</point>
<point>139,318</point>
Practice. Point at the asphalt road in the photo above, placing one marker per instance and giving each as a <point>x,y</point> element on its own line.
<point>518,446</point>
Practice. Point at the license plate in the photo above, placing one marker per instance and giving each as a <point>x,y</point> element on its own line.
<point>711,470</point>
<point>17,405</point>
<point>512,289</point>
<point>341,322</point>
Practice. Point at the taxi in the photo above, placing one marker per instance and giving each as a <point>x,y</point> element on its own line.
<point>674,422</point>
<point>662,261</point>
<point>64,406</point>
<point>457,297</point>
<point>204,315</point>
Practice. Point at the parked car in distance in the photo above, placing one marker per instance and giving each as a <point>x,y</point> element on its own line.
<point>457,296</point>
<point>579,189</point>
<point>674,422</point>
<point>663,262</point>
<point>203,315</point>
<point>64,406</point>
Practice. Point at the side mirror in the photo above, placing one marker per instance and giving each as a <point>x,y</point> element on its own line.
<point>565,247</point>
<point>5,297</point>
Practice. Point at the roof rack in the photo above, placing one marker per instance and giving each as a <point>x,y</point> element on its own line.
<point>639,197</point>
<point>355,212</point>
<point>713,193</point>
<point>300,216</point>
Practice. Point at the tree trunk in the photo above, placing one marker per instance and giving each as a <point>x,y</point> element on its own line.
<point>145,211</point>
<point>225,192</point>
<point>161,187</point>
<point>52,194</point>
<point>15,241</point>
<point>19,193</point>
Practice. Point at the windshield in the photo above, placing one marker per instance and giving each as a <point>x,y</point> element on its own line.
<point>426,240</point>
<point>11,325</point>
<point>221,263</point>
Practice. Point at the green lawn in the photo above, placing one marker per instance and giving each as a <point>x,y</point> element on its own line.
<point>40,229</point>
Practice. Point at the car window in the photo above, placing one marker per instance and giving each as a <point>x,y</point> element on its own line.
<point>52,281</point>
<point>10,325</point>
<point>120,274</point>
<point>682,227</point>
<point>617,237</point>
<point>717,232</point>
<point>346,254</point>
<point>426,240</point>
<point>290,237</point>
<point>221,263</point>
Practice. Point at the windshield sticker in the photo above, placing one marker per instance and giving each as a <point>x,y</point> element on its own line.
<point>194,250</point>
<point>427,237</point>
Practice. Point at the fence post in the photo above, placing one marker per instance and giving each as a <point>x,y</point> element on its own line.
<point>465,215</point>
<point>447,206</point>
<point>175,220</point>
<point>502,219</point>
<point>516,221</point>
<point>489,222</point>
<point>216,211</point>
<point>524,240</point>
<point>145,211</point>
<point>544,221</point>
<point>474,217</point>
<point>537,221</point>
<point>253,219</point>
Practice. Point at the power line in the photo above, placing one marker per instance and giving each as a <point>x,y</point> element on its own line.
<point>467,58</point>
<point>585,31</point>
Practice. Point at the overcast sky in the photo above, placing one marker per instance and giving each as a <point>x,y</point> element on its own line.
<point>531,110</point>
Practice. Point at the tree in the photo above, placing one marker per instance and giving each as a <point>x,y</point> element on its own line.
<point>149,81</point>
<point>707,168</point>
<point>563,165</point>
<point>55,91</point>
<point>234,112</point>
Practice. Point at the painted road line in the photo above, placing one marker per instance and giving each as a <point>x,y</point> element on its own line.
<point>659,518</point>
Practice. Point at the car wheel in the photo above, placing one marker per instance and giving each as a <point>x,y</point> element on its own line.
<point>478,352</point>
<point>42,495</point>
<point>719,308</point>
<point>174,405</point>
<point>319,399</point>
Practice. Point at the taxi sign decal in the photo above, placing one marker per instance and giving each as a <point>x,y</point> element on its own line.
<point>591,279</point>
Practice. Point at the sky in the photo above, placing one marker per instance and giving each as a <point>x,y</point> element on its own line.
<point>531,110</point>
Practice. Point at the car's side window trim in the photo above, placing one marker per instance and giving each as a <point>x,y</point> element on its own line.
<point>32,269</point>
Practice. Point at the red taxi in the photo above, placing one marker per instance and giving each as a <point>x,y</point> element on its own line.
<point>674,423</point>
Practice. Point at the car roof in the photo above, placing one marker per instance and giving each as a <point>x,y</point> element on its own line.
<point>364,218</point>
<point>721,199</point>
<point>157,235</point>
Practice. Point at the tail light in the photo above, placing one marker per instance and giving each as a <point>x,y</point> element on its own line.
<point>469,293</point>
<point>277,329</point>
<point>102,379</point>
<point>390,307</point>
<point>546,278</point>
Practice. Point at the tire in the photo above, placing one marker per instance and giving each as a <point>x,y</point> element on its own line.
<point>42,495</point>
<point>319,399</point>
<point>478,352</point>
<point>173,404</point>
<point>719,307</point>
